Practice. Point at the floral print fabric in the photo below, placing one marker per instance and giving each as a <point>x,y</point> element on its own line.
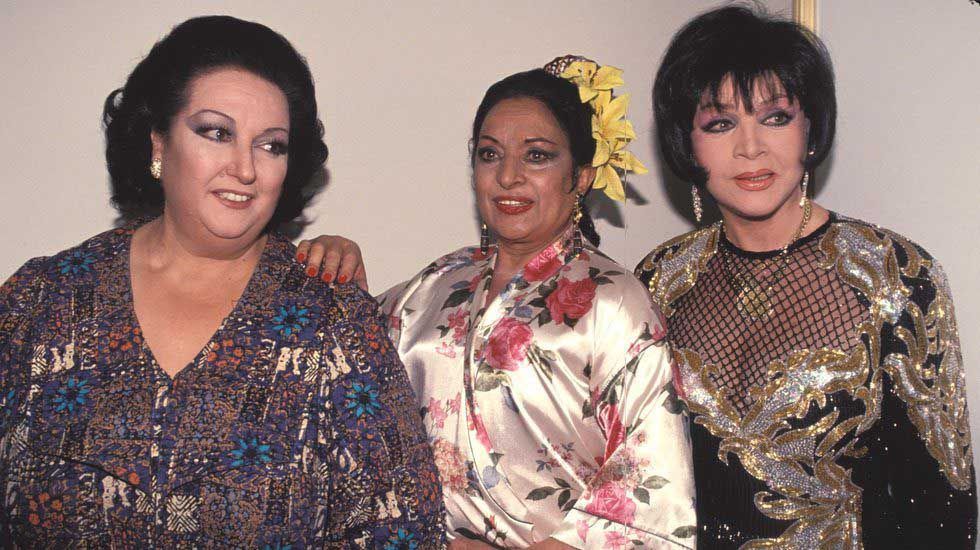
<point>549,408</point>
<point>294,427</point>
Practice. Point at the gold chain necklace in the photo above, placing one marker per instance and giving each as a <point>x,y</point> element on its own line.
<point>754,299</point>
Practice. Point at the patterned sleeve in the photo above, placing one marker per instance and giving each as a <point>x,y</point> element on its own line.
<point>18,298</point>
<point>384,489</point>
<point>643,492</point>
<point>925,426</point>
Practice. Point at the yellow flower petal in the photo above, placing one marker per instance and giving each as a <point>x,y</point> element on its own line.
<point>615,109</point>
<point>607,179</point>
<point>585,93</point>
<point>602,152</point>
<point>580,72</point>
<point>627,161</point>
<point>607,78</point>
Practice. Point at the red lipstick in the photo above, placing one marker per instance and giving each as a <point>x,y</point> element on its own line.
<point>759,180</point>
<point>513,205</point>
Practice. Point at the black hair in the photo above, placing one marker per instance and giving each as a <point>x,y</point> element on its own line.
<point>748,46</point>
<point>561,97</point>
<point>157,89</point>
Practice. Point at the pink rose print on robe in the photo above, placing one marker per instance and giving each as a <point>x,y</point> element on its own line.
<point>542,266</point>
<point>582,529</point>
<point>617,540</point>
<point>612,424</point>
<point>610,502</point>
<point>451,465</point>
<point>475,423</point>
<point>436,413</point>
<point>507,345</point>
<point>571,300</point>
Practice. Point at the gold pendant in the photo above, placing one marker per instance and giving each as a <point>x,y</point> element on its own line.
<point>753,300</point>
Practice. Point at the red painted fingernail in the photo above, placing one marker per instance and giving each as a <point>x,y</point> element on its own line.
<point>311,271</point>
<point>301,257</point>
<point>327,277</point>
<point>342,279</point>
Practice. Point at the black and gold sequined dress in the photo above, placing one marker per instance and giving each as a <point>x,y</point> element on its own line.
<point>837,418</point>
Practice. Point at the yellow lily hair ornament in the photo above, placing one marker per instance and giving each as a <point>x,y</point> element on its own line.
<point>610,129</point>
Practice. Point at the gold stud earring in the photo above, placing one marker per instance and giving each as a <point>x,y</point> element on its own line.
<point>156,168</point>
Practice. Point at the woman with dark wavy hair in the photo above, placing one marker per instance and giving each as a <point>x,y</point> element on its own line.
<point>179,382</point>
<point>817,354</point>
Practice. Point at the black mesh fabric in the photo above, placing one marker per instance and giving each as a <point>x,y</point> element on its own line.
<point>811,308</point>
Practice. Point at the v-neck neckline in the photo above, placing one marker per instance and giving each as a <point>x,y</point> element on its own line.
<point>145,349</point>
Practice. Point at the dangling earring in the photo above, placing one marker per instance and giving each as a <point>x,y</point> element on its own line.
<point>484,240</point>
<point>156,168</point>
<point>576,232</point>
<point>803,185</point>
<point>696,200</point>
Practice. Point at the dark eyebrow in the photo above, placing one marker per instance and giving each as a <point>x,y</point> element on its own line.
<point>232,120</point>
<point>717,105</point>
<point>539,139</point>
<point>491,138</point>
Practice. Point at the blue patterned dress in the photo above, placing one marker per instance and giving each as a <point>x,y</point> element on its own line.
<point>294,427</point>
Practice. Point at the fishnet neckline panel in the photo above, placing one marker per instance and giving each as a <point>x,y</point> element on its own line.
<point>812,308</point>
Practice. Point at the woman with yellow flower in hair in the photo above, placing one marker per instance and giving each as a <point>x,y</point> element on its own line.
<point>539,363</point>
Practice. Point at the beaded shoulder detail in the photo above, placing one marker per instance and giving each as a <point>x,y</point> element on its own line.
<point>912,305</point>
<point>671,269</point>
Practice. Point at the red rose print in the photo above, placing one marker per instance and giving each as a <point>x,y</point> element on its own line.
<point>612,424</point>
<point>542,266</point>
<point>571,300</point>
<point>507,345</point>
<point>610,502</point>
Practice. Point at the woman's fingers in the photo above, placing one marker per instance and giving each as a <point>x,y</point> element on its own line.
<point>334,258</point>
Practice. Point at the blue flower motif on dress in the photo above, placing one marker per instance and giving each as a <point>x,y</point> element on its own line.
<point>278,545</point>
<point>73,393</point>
<point>362,399</point>
<point>250,451</point>
<point>76,262</point>
<point>290,319</point>
<point>401,540</point>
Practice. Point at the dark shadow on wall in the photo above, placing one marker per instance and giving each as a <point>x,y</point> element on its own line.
<point>317,184</point>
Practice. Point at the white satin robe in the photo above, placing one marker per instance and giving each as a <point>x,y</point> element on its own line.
<point>551,409</point>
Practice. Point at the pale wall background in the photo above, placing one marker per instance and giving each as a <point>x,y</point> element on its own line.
<point>398,83</point>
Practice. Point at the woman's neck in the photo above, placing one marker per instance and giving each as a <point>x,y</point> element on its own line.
<point>162,248</point>
<point>511,259</point>
<point>774,232</point>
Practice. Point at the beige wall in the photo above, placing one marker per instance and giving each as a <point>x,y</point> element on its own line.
<point>908,143</point>
<point>398,83</point>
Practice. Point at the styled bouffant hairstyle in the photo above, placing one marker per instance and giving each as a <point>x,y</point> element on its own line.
<point>561,97</point>
<point>747,46</point>
<point>157,89</point>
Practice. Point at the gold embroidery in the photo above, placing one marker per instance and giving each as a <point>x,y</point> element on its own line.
<point>676,271</point>
<point>800,466</point>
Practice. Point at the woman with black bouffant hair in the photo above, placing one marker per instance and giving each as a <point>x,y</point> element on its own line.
<point>539,363</point>
<point>178,382</point>
<point>817,355</point>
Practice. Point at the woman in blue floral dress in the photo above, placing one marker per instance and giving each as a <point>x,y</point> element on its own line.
<point>179,382</point>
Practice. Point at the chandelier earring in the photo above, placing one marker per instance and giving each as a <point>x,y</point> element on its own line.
<point>696,202</point>
<point>576,218</point>
<point>156,168</point>
<point>803,186</point>
<point>484,240</point>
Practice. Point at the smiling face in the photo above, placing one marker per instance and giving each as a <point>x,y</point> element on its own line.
<point>224,157</point>
<point>524,175</point>
<point>754,159</point>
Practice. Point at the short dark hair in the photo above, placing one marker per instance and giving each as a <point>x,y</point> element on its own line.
<point>562,99</point>
<point>157,89</point>
<point>748,46</point>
